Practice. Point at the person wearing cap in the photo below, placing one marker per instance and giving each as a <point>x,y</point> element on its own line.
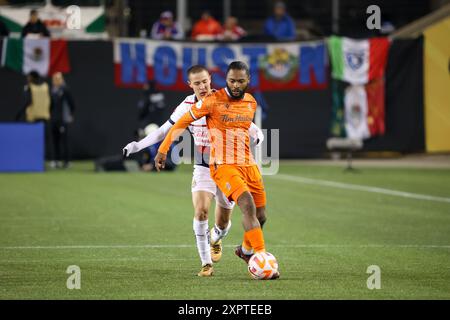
<point>280,26</point>
<point>165,28</point>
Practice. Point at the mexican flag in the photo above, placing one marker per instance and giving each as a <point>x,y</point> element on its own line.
<point>44,55</point>
<point>358,61</point>
<point>358,110</point>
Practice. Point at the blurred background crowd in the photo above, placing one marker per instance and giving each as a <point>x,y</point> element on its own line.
<point>97,91</point>
<point>232,20</point>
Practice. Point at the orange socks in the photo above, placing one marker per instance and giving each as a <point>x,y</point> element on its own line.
<point>246,245</point>
<point>254,239</point>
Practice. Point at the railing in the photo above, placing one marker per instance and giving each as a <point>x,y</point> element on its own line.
<point>415,29</point>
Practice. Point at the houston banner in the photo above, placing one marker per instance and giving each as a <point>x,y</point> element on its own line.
<point>273,66</point>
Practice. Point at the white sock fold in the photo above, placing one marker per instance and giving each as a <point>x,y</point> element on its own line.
<point>218,233</point>
<point>247,252</point>
<point>201,231</point>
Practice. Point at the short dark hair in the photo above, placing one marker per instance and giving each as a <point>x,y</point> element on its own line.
<point>33,11</point>
<point>34,76</point>
<point>238,65</point>
<point>196,69</point>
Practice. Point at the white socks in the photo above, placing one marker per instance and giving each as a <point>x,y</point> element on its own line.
<point>218,233</point>
<point>246,252</point>
<point>201,231</point>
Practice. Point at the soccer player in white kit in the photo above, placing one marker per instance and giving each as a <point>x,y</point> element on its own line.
<point>204,189</point>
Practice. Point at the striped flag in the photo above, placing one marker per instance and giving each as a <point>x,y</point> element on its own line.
<point>358,61</point>
<point>43,55</point>
<point>358,110</point>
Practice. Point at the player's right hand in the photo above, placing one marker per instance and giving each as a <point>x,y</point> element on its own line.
<point>160,161</point>
<point>130,148</point>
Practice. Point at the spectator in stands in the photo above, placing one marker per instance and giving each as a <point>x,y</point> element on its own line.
<point>207,28</point>
<point>280,26</point>
<point>62,109</point>
<point>36,107</point>
<point>231,30</point>
<point>35,27</point>
<point>4,32</point>
<point>165,28</point>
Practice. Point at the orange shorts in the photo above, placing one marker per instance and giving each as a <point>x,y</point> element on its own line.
<point>234,180</point>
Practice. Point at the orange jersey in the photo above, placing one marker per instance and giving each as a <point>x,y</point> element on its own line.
<point>228,121</point>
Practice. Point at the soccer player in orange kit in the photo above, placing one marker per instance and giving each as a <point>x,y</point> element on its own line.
<point>229,113</point>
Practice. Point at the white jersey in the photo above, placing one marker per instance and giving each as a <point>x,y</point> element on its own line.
<point>198,130</point>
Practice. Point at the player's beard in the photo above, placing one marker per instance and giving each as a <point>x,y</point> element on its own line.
<point>241,93</point>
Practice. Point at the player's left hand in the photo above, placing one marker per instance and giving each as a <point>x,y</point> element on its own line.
<point>260,137</point>
<point>160,161</point>
<point>130,148</point>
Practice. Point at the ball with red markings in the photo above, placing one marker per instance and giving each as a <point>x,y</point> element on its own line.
<point>263,266</point>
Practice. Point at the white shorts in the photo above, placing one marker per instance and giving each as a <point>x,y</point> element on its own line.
<point>202,181</point>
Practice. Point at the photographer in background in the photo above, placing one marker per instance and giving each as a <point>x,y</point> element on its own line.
<point>36,108</point>
<point>150,106</point>
<point>140,161</point>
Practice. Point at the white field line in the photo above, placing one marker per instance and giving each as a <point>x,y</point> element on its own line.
<point>355,187</point>
<point>178,246</point>
<point>79,260</point>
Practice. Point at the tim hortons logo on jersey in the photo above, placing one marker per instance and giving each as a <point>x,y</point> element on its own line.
<point>238,118</point>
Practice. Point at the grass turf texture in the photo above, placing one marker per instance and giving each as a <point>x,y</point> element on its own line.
<point>323,237</point>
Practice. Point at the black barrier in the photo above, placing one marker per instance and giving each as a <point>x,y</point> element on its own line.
<point>106,116</point>
<point>226,309</point>
<point>405,127</point>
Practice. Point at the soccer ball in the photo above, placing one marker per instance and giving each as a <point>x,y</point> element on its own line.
<point>263,266</point>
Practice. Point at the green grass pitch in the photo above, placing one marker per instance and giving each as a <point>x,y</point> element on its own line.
<point>131,235</point>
